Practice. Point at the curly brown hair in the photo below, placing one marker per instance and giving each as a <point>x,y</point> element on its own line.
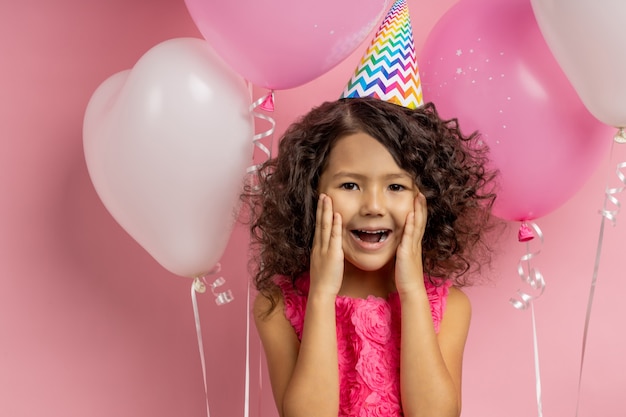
<point>450,169</point>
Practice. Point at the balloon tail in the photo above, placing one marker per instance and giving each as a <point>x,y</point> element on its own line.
<point>198,286</point>
<point>525,233</point>
<point>268,102</point>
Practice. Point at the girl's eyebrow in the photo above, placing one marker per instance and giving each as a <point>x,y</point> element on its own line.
<point>390,176</point>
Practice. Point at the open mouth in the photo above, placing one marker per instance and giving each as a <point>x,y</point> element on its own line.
<point>371,236</point>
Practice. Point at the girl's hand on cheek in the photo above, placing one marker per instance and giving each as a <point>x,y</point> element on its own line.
<point>327,252</point>
<point>409,268</point>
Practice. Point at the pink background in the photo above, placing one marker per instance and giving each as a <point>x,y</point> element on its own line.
<point>91,325</point>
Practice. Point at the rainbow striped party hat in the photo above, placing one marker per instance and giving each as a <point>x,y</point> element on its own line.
<point>388,70</point>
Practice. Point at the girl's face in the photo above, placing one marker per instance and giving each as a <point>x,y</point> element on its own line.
<point>372,194</point>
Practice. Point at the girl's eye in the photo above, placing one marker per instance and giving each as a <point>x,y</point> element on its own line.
<point>349,186</point>
<point>396,187</point>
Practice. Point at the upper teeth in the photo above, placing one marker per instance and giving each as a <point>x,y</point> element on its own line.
<point>381,234</point>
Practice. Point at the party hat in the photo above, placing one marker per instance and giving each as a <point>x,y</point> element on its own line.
<point>388,70</point>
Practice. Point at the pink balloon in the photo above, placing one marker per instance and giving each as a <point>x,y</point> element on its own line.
<point>486,63</point>
<point>587,39</point>
<point>167,144</point>
<point>280,44</point>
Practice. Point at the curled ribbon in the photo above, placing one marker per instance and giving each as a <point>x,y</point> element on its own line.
<point>199,285</point>
<point>264,103</point>
<point>610,193</point>
<point>535,280</point>
<point>610,197</point>
<point>533,277</point>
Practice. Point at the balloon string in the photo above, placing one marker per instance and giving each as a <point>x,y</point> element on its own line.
<point>260,403</point>
<point>611,215</point>
<point>246,405</point>
<point>534,278</point>
<point>196,315</point>
<point>265,103</point>
<point>536,357</point>
<point>536,281</point>
<point>199,285</point>
<point>248,350</point>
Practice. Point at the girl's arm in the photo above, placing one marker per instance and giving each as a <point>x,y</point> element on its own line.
<point>430,363</point>
<point>280,345</point>
<point>305,376</point>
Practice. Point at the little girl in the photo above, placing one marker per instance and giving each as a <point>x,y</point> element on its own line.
<point>365,224</point>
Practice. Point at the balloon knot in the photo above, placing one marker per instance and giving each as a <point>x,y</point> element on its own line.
<point>268,102</point>
<point>525,233</point>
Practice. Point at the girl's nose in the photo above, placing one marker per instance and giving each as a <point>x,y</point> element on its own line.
<point>373,203</point>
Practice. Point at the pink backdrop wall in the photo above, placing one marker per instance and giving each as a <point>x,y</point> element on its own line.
<point>91,325</point>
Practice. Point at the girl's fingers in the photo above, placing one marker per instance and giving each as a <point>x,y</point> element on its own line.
<point>326,254</point>
<point>335,234</point>
<point>318,221</point>
<point>414,225</point>
<point>324,222</point>
<point>420,205</point>
<point>421,214</point>
<point>409,229</point>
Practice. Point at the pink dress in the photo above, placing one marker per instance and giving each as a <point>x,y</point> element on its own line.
<point>368,339</point>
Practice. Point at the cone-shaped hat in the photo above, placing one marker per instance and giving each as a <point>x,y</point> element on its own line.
<point>389,70</point>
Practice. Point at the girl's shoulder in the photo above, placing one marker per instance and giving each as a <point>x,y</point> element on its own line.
<point>457,313</point>
<point>458,298</point>
<point>269,312</point>
<point>265,303</point>
<point>285,299</point>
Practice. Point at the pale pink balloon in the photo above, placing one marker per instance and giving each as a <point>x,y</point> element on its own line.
<point>588,40</point>
<point>486,63</point>
<point>280,44</point>
<point>167,144</point>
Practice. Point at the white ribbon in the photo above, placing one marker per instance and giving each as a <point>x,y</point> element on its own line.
<point>256,139</point>
<point>611,215</point>
<point>246,405</point>
<point>537,283</point>
<point>199,285</point>
<point>533,277</point>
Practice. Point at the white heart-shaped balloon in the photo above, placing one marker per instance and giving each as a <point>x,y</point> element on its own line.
<point>167,144</point>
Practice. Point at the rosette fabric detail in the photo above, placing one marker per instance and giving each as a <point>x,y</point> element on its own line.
<point>368,343</point>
